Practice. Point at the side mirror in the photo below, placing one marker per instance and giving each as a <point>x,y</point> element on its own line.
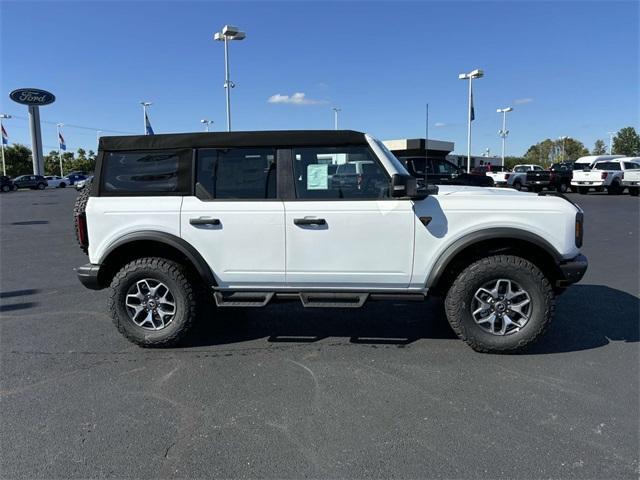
<point>403,186</point>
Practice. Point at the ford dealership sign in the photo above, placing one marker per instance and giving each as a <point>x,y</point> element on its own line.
<point>32,96</point>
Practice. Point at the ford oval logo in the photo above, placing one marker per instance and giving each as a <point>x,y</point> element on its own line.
<point>32,96</point>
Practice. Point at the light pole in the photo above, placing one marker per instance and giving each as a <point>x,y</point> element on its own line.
<point>335,117</point>
<point>3,116</point>
<point>98,132</point>
<point>563,138</point>
<point>58,127</point>
<point>228,33</point>
<point>206,124</point>
<point>145,105</point>
<point>504,132</point>
<point>611,134</point>
<point>477,73</point>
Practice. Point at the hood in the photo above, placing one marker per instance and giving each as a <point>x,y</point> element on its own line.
<point>468,190</point>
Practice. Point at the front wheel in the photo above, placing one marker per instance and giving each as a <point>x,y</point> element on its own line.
<point>500,304</point>
<point>517,186</point>
<point>62,185</point>
<point>562,188</point>
<point>153,302</point>
<point>41,186</point>
<point>6,188</point>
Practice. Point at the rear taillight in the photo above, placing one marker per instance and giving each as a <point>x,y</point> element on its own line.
<point>604,175</point>
<point>83,235</point>
<point>506,176</point>
<point>579,229</point>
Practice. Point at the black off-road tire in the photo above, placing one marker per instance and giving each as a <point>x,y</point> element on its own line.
<point>614,189</point>
<point>62,185</point>
<point>517,185</point>
<point>562,188</point>
<point>6,188</point>
<point>459,299</point>
<point>79,209</point>
<point>183,289</point>
<point>633,191</point>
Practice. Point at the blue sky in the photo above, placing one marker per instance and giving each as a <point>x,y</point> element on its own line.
<point>568,68</point>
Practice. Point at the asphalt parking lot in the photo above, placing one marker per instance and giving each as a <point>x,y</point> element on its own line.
<point>283,392</point>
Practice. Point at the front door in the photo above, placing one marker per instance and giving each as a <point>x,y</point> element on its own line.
<point>234,220</point>
<point>346,234</point>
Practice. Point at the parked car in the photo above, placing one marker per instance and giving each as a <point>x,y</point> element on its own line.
<point>605,175</point>
<point>589,160</point>
<point>30,181</point>
<point>6,184</point>
<point>557,177</point>
<point>631,175</point>
<point>518,177</point>
<point>55,181</point>
<point>80,184</point>
<point>74,177</point>
<point>443,172</point>
<point>172,222</point>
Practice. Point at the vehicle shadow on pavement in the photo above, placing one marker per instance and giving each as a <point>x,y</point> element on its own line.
<point>587,316</point>
<point>591,316</point>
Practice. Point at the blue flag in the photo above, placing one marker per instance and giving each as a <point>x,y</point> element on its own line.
<point>61,142</point>
<point>5,136</point>
<point>147,125</point>
<point>473,111</point>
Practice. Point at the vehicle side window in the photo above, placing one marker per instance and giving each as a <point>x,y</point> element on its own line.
<point>358,174</point>
<point>611,166</point>
<point>236,174</point>
<point>445,167</point>
<point>147,173</point>
<point>630,166</point>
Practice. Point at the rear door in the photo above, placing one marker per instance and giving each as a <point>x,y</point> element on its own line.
<point>234,219</point>
<point>346,235</point>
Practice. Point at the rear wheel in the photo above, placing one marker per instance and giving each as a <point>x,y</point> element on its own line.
<point>6,188</point>
<point>500,304</point>
<point>562,188</point>
<point>633,191</point>
<point>614,189</point>
<point>153,302</point>
<point>62,185</point>
<point>41,186</point>
<point>517,185</point>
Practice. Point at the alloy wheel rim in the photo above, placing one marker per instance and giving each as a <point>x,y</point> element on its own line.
<point>501,307</point>
<point>150,304</point>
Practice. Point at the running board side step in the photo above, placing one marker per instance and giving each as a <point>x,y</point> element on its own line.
<point>243,299</point>
<point>333,300</point>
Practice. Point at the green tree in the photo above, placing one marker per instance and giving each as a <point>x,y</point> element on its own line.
<point>17,159</point>
<point>510,162</point>
<point>550,151</point>
<point>627,142</point>
<point>599,148</point>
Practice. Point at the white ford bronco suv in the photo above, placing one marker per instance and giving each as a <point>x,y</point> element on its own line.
<point>246,218</point>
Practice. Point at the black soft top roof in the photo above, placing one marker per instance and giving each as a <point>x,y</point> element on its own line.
<point>275,138</point>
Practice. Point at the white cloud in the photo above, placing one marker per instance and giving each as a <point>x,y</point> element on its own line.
<point>298,98</point>
<point>521,101</point>
<point>439,124</point>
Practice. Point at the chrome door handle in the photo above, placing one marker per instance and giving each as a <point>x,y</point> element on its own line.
<point>204,221</point>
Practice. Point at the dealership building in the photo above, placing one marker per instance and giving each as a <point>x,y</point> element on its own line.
<point>438,150</point>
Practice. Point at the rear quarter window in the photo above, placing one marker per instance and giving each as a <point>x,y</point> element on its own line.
<point>147,173</point>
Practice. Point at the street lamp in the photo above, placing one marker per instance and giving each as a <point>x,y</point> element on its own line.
<point>563,140</point>
<point>335,117</point>
<point>206,124</point>
<point>2,117</point>
<point>228,33</point>
<point>145,105</point>
<point>477,73</point>
<point>504,132</point>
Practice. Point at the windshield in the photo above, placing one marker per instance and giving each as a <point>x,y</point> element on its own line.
<point>521,168</point>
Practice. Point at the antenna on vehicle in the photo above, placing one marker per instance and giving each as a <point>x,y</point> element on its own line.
<point>426,146</point>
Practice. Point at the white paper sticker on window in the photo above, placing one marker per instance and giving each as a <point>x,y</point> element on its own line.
<point>318,177</point>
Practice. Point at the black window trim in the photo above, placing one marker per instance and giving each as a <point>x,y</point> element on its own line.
<point>102,192</point>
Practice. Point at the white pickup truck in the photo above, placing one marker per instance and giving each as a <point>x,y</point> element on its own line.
<point>516,178</point>
<point>631,175</point>
<point>605,175</point>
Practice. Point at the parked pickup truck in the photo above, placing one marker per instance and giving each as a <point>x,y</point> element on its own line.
<point>606,175</point>
<point>517,178</point>
<point>558,177</point>
<point>631,175</point>
<point>175,222</point>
